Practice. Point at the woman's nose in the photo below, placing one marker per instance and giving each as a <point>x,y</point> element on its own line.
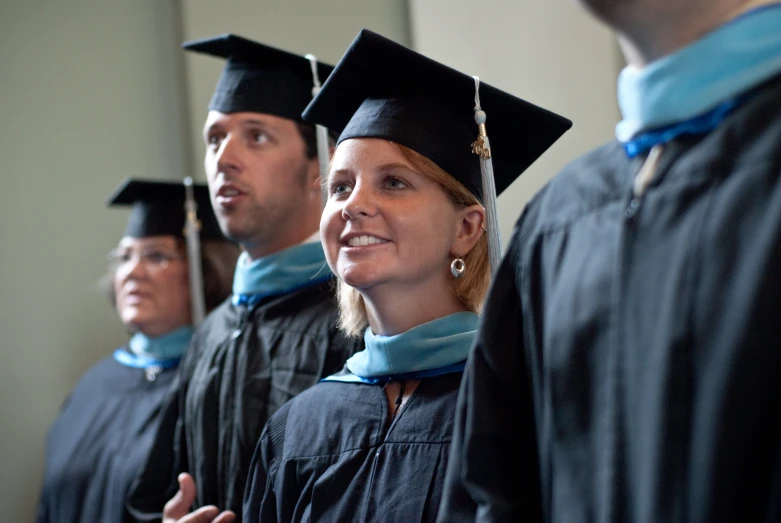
<point>361,203</point>
<point>132,268</point>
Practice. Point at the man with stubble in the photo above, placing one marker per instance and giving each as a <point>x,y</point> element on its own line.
<point>277,334</point>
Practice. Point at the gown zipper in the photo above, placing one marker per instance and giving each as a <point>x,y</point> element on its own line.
<point>243,314</point>
<point>643,180</point>
<point>378,453</point>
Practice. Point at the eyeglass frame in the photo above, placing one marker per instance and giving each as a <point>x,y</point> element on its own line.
<point>145,257</point>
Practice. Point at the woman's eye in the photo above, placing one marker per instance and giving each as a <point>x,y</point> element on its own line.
<point>395,183</point>
<point>156,257</point>
<point>341,188</point>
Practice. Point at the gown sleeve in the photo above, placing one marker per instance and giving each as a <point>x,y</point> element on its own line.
<point>167,458</point>
<point>43,511</point>
<point>260,502</point>
<point>493,472</point>
<point>42,514</point>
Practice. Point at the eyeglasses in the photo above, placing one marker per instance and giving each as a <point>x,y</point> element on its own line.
<point>153,260</point>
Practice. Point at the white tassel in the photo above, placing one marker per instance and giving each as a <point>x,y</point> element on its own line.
<point>482,148</point>
<point>321,133</point>
<point>192,228</point>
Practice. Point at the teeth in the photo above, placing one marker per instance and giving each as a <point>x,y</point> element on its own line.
<point>358,241</point>
<point>230,192</point>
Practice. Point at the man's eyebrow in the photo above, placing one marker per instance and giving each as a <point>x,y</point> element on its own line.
<point>252,121</point>
<point>210,127</point>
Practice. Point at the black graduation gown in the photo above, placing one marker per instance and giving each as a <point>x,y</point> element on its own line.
<point>99,442</point>
<point>242,366</point>
<point>330,455</point>
<point>628,367</point>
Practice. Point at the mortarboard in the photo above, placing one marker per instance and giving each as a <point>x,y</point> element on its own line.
<point>158,208</point>
<point>258,78</point>
<point>381,89</point>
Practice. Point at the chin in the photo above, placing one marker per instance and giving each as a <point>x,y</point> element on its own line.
<point>237,231</point>
<point>231,230</point>
<point>135,319</point>
<point>230,222</point>
<point>360,279</point>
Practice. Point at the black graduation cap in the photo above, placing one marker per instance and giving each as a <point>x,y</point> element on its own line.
<point>158,208</point>
<point>258,78</point>
<point>381,89</point>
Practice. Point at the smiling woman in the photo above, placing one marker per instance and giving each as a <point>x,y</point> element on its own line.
<point>103,432</point>
<point>404,230</point>
<point>415,173</point>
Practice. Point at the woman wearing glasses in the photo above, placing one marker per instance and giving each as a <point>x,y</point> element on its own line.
<point>101,436</point>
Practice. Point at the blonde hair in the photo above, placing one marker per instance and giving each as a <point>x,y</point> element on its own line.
<point>470,289</point>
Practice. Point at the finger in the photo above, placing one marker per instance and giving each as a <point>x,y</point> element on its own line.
<point>225,517</point>
<point>179,505</point>
<point>202,515</point>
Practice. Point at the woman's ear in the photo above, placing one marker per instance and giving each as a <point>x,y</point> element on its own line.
<point>470,229</point>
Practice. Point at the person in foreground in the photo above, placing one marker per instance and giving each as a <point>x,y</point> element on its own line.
<point>627,367</point>
<point>278,334</point>
<point>100,439</point>
<point>403,229</point>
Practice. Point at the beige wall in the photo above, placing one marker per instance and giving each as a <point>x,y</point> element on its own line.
<point>550,53</point>
<point>87,98</point>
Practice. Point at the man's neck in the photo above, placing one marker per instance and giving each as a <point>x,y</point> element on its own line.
<point>648,40</point>
<point>255,251</point>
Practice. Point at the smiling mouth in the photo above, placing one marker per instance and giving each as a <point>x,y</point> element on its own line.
<point>360,241</point>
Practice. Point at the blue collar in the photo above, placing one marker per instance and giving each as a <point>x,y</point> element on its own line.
<point>426,350</point>
<point>128,359</point>
<point>280,273</point>
<point>348,377</point>
<point>164,351</point>
<point>692,90</point>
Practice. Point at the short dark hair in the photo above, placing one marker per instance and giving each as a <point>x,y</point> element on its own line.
<point>307,131</point>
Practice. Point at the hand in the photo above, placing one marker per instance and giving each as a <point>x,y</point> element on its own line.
<point>176,510</point>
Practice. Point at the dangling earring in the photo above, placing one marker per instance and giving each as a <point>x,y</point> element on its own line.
<point>458,267</point>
